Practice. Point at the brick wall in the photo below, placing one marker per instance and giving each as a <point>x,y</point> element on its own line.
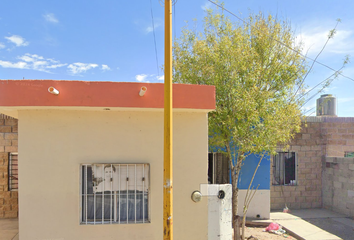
<point>322,137</point>
<point>339,137</point>
<point>338,185</point>
<point>8,143</point>
<point>307,192</point>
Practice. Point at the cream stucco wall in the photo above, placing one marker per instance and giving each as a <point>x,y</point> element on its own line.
<point>260,204</point>
<point>53,144</point>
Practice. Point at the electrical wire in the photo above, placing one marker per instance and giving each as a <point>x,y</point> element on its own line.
<point>309,110</point>
<point>313,63</point>
<point>173,2</point>
<point>153,30</point>
<point>313,60</point>
<point>311,113</point>
<point>328,79</point>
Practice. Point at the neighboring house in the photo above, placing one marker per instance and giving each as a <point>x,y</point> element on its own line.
<point>297,171</point>
<point>260,205</point>
<point>219,173</point>
<point>8,167</point>
<point>93,155</point>
<point>318,168</point>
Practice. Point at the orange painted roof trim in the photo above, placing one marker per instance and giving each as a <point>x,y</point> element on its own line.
<point>102,94</point>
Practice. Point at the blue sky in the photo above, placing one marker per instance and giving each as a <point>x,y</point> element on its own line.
<point>113,40</point>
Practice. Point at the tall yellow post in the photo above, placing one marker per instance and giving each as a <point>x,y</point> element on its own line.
<point>167,178</point>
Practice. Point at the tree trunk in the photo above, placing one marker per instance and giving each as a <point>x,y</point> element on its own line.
<point>237,235</point>
<point>236,218</point>
<point>235,171</point>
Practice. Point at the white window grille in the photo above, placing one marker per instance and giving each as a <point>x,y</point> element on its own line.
<point>114,193</point>
<point>13,172</point>
<point>285,168</point>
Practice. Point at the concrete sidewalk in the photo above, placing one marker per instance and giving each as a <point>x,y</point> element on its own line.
<point>9,229</point>
<point>309,224</point>
<point>316,224</point>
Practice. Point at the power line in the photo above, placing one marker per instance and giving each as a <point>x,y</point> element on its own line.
<point>153,30</point>
<point>311,113</point>
<point>313,60</point>
<point>313,63</point>
<point>309,110</point>
<point>328,79</point>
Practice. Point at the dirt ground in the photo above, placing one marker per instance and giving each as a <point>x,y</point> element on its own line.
<point>257,233</point>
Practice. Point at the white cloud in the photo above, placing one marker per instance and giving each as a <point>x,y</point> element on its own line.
<point>18,40</point>
<point>328,89</point>
<point>206,6</point>
<point>146,25</point>
<point>49,17</point>
<point>34,62</point>
<point>51,60</point>
<point>313,41</point>
<point>149,29</point>
<point>56,66</point>
<point>27,58</point>
<point>105,67</point>
<point>149,78</point>
<point>2,45</point>
<point>7,64</point>
<point>39,63</point>
<point>141,77</point>
<point>77,68</point>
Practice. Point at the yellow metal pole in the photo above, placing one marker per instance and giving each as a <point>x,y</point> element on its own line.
<point>167,177</point>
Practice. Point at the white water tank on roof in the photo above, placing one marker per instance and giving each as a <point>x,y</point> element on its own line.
<point>326,105</point>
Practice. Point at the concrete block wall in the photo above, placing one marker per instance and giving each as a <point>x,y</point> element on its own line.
<point>338,185</point>
<point>320,138</point>
<point>8,143</point>
<point>339,138</point>
<point>307,192</point>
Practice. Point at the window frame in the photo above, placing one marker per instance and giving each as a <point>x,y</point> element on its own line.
<point>284,172</point>
<point>10,171</point>
<point>218,168</point>
<point>111,221</point>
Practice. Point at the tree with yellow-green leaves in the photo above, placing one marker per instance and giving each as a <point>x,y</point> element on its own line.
<point>258,73</point>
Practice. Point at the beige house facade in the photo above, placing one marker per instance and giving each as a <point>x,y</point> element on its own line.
<point>65,138</point>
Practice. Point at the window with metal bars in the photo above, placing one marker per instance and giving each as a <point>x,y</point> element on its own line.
<point>114,193</point>
<point>13,172</point>
<point>285,168</point>
<point>218,168</point>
